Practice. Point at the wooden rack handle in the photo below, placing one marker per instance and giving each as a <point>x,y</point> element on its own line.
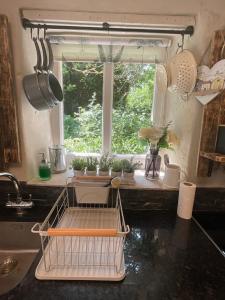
<point>82,232</point>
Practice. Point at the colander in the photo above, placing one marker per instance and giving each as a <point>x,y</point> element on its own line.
<point>183,73</point>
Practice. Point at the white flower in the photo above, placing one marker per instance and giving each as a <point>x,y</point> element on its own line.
<point>172,138</point>
<point>152,134</point>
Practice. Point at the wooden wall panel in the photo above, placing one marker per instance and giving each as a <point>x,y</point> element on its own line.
<point>214,111</point>
<point>9,138</point>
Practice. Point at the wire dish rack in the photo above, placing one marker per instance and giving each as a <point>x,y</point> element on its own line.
<point>83,239</point>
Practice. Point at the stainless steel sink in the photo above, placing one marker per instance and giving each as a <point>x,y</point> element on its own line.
<point>18,248</point>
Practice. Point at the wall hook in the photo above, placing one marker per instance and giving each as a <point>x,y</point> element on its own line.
<point>38,33</point>
<point>45,30</point>
<point>180,46</point>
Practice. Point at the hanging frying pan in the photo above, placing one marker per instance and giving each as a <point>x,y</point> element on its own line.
<point>31,84</point>
<point>48,83</point>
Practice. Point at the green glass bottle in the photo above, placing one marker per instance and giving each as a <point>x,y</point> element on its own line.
<point>44,169</point>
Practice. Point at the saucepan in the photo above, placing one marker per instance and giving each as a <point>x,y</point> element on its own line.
<point>31,84</point>
<point>42,88</point>
<point>48,83</point>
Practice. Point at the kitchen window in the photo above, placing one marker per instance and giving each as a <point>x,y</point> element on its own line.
<point>109,91</point>
<point>91,124</point>
<point>83,102</point>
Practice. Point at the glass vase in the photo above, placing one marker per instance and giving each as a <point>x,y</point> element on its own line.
<point>153,162</point>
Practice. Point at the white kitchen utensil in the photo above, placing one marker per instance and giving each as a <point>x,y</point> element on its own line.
<point>183,70</point>
<point>172,176</point>
<point>57,158</point>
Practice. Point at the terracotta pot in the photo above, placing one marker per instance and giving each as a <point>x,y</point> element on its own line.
<point>78,172</point>
<point>90,173</point>
<point>128,175</point>
<point>116,174</point>
<point>103,173</point>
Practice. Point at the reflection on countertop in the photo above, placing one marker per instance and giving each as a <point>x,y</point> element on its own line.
<point>166,258</point>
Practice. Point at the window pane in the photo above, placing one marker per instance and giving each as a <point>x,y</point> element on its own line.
<point>83,106</point>
<point>132,105</point>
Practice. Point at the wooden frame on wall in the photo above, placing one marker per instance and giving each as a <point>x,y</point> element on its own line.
<point>9,135</point>
<point>214,113</point>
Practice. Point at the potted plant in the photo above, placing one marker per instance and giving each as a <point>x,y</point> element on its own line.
<point>91,166</point>
<point>104,165</point>
<point>79,165</point>
<point>129,167</point>
<point>117,168</point>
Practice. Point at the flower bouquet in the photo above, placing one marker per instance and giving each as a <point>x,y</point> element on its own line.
<point>157,138</point>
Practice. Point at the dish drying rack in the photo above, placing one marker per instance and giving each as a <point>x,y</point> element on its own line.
<point>83,239</point>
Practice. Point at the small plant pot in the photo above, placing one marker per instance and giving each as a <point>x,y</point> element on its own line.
<point>128,175</point>
<point>103,173</point>
<point>90,173</point>
<point>78,172</point>
<point>116,174</point>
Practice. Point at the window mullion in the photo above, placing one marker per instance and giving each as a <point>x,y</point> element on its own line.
<point>107,107</point>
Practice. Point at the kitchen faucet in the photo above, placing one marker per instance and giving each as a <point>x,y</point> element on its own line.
<point>18,203</point>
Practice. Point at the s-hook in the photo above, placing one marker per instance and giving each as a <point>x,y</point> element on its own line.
<point>180,46</point>
<point>45,30</point>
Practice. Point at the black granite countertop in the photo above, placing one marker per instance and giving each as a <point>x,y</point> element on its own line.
<point>166,258</point>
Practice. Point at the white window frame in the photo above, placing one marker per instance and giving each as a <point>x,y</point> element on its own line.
<point>107,106</point>
<point>108,80</point>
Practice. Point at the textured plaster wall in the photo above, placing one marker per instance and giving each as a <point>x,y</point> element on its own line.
<point>35,129</point>
<point>187,116</point>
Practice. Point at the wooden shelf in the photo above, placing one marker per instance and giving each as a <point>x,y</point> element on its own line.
<point>213,156</point>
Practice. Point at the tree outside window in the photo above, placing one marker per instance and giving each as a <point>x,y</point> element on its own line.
<point>132,103</point>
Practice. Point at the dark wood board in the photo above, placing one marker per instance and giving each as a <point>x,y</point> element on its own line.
<point>9,136</point>
<point>214,111</point>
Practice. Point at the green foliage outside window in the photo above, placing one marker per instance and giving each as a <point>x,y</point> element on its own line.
<point>132,104</point>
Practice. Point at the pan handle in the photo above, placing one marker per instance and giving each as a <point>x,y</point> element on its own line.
<point>50,55</point>
<point>45,58</point>
<point>37,67</point>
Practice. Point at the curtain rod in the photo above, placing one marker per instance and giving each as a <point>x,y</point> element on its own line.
<point>189,30</point>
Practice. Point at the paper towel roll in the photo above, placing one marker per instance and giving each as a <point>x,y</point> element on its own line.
<point>186,200</point>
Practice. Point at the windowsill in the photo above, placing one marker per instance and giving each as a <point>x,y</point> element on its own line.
<point>71,155</point>
<point>60,180</point>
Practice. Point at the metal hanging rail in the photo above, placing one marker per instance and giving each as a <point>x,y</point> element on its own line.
<point>189,30</point>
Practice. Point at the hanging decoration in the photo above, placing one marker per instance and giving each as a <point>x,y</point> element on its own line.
<point>210,82</point>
